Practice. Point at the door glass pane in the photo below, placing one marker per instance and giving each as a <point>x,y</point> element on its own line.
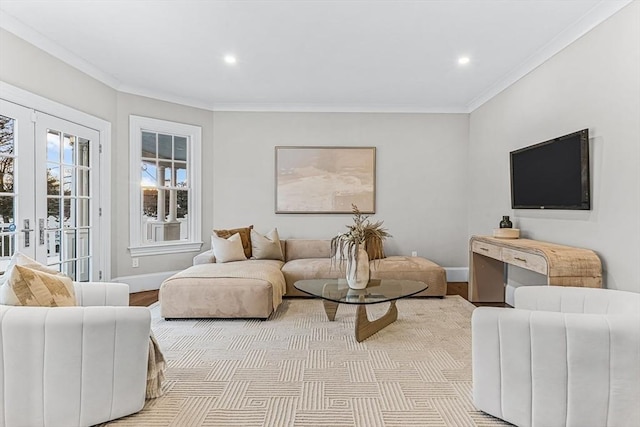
<point>6,174</point>
<point>83,152</point>
<point>67,214</point>
<point>53,146</point>
<point>69,147</point>
<point>83,212</point>
<point>53,179</point>
<point>7,197</point>
<point>68,187</point>
<point>53,247</point>
<point>53,212</point>
<point>82,270</point>
<point>82,186</point>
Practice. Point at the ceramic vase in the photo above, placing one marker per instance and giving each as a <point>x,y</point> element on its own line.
<point>358,271</point>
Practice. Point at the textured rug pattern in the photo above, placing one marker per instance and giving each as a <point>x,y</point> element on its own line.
<point>300,369</point>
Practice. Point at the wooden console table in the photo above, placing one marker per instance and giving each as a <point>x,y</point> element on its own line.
<point>563,265</point>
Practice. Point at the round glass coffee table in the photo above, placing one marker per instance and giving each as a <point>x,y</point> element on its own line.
<point>336,291</point>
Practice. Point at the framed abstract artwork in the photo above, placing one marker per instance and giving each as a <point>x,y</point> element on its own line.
<point>325,179</point>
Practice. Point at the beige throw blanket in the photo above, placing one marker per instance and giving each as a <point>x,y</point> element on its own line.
<point>267,270</point>
<point>156,366</point>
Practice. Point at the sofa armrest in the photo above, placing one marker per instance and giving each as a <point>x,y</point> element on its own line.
<point>204,258</point>
<point>567,299</point>
<point>532,368</point>
<point>101,294</point>
<point>72,365</point>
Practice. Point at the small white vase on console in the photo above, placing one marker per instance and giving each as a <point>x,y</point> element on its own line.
<point>358,271</point>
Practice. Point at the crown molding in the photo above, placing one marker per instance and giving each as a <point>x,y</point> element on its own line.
<point>13,25</point>
<point>598,14</point>
<point>328,108</point>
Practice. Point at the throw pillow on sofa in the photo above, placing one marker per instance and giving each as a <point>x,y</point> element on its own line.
<point>227,250</point>
<point>245,235</point>
<point>29,283</point>
<point>266,246</point>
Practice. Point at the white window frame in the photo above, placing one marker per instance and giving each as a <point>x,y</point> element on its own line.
<point>137,124</point>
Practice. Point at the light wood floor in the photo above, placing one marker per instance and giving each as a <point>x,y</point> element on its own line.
<point>147,298</point>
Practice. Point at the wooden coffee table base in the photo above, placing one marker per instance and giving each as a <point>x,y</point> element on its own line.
<point>364,327</point>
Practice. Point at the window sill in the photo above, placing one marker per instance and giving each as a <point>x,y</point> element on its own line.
<point>165,248</point>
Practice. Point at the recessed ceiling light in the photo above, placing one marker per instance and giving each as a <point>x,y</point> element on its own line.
<point>463,60</point>
<point>230,59</point>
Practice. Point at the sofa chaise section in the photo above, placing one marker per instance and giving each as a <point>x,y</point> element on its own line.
<point>241,289</point>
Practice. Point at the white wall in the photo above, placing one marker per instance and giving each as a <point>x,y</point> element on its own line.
<point>421,175</point>
<point>594,83</point>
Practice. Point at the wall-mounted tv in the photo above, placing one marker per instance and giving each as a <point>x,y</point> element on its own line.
<point>553,174</point>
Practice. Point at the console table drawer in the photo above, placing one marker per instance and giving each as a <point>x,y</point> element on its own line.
<point>525,260</point>
<point>492,251</point>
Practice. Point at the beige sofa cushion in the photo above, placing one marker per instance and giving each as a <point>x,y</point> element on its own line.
<point>411,268</point>
<point>305,248</point>
<point>309,268</point>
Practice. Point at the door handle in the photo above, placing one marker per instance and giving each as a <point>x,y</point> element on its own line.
<point>27,233</point>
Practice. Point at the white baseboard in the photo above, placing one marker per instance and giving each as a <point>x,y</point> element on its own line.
<point>144,282</point>
<point>457,274</point>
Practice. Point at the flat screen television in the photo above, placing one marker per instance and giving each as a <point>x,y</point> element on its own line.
<point>553,174</point>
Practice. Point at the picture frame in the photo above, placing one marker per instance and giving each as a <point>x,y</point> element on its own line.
<point>324,179</point>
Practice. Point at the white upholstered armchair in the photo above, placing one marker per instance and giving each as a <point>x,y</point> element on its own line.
<point>74,366</point>
<point>562,357</point>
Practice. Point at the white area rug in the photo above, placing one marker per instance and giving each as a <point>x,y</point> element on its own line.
<point>299,369</point>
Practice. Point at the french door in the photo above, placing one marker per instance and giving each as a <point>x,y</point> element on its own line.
<point>48,187</point>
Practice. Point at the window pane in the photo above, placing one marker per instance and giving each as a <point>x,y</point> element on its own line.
<point>6,174</point>
<point>53,179</point>
<point>149,203</point>
<point>53,146</point>
<point>181,174</point>
<point>168,181</point>
<point>180,148</point>
<point>83,152</point>
<point>69,147</point>
<point>149,145</point>
<point>183,203</point>
<point>165,148</point>
<point>7,125</point>
<point>149,177</point>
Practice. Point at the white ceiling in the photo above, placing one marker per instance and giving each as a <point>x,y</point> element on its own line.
<point>307,55</point>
